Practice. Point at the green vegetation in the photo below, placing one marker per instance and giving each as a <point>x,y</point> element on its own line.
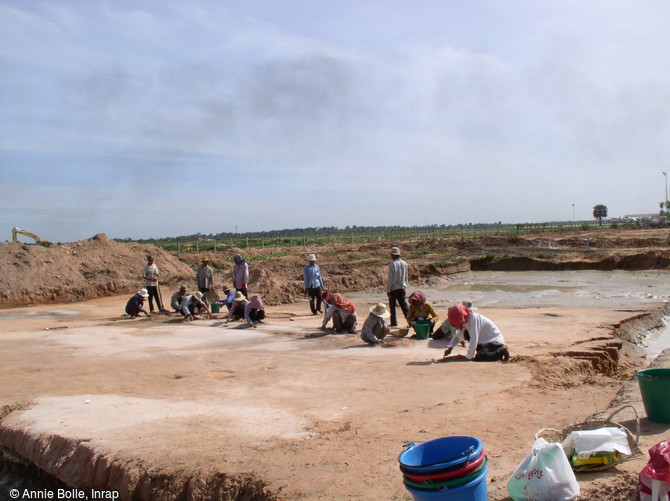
<point>388,235</point>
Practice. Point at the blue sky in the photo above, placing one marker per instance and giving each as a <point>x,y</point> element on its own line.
<point>163,118</point>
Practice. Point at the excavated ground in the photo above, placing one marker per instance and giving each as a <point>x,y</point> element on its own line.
<point>161,409</point>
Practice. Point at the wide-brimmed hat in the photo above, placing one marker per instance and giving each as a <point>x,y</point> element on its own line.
<point>182,287</point>
<point>395,251</point>
<point>239,296</point>
<point>380,310</point>
<point>143,292</point>
<point>198,294</point>
<point>206,259</point>
<point>311,257</point>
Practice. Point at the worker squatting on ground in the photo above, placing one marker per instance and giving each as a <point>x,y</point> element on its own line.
<point>240,275</point>
<point>204,276</point>
<point>254,311</point>
<point>486,342</point>
<point>135,304</point>
<point>238,307</point>
<point>396,285</point>
<point>342,311</point>
<point>375,328</point>
<point>192,305</point>
<point>150,274</point>
<point>420,310</point>
<point>175,301</point>
<point>313,284</point>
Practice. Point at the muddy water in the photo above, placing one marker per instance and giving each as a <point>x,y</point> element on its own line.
<point>592,289</point>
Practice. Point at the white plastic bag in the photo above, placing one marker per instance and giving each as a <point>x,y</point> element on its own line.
<point>585,443</point>
<point>544,475</point>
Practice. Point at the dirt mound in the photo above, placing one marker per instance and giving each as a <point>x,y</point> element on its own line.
<point>31,274</point>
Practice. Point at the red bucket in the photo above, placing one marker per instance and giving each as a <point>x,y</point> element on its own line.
<point>467,468</point>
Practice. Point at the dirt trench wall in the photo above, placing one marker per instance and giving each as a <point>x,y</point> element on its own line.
<point>78,464</point>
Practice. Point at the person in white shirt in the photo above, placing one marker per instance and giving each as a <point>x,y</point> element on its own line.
<point>396,285</point>
<point>150,275</point>
<point>487,343</point>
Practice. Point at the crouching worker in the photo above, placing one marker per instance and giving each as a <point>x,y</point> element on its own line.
<point>239,307</point>
<point>175,301</point>
<point>135,304</point>
<point>343,313</point>
<point>486,342</point>
<point>375,327</point>
<point>419,310</point>
<point>192,304</point>
<point>254,311</point>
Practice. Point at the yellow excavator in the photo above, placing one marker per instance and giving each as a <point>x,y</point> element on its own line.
<point>38,240</point>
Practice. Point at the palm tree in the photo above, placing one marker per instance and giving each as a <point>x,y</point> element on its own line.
<point>599,212</point>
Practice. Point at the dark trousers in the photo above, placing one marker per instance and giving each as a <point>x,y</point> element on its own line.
<point>398,296</point>
<point>489,352</point>
<point>340,325</point>
<point>153,293</point>
<point>314,294</point>
<point>256,315</point>
<point>244,292</point>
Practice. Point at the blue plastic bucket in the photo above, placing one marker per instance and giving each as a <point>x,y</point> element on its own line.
<point>439,455</point>
<point>472,491</point>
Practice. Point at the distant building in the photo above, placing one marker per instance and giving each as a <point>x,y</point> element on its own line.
<point>643,217</point>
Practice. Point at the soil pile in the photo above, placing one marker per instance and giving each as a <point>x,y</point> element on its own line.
<point>99,266</point>
<point>31,274</point>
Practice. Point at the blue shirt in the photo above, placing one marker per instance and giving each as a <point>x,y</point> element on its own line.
<point>312,274</point>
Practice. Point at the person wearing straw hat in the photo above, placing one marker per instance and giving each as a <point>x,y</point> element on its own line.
<point>135,304</point>
<point>313,284</point>
<point>204,277</point>
<point>396,285</point>
<point>175,301</point>
<point>239,305</point>
<point>193,304</point>
<point>487,344</point>
<point>375,328</point>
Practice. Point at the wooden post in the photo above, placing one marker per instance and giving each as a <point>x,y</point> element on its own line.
<point>178,248</point>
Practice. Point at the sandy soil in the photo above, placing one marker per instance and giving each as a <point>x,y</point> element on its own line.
<point>162,409</point>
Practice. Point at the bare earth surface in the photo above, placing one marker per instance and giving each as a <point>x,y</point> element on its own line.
<point>162,409</point>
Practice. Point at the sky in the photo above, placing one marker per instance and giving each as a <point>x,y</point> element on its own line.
<point>148,119</point>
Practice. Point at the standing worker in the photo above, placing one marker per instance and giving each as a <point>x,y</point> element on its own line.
<point>313,284</point>
<point>204,277</point>
<point>150,275</point>
<point>396,285</point>
<point>240,275</point>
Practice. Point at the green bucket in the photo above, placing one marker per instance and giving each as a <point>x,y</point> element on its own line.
<point>422,329</point>
<point>655,389</point>
<point>216,307</point>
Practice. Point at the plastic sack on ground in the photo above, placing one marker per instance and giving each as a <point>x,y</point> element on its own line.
<point>586,443</point>
<point>544,475</point>
<point>655,476</point>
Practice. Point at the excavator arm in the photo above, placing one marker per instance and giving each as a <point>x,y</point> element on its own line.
<point>18,231</point>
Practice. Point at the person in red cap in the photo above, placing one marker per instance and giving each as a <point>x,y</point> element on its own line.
<point>487,344</point>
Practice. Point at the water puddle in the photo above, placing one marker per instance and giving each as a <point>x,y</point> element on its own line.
<point>658,340</point>
<point>39,314</point>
